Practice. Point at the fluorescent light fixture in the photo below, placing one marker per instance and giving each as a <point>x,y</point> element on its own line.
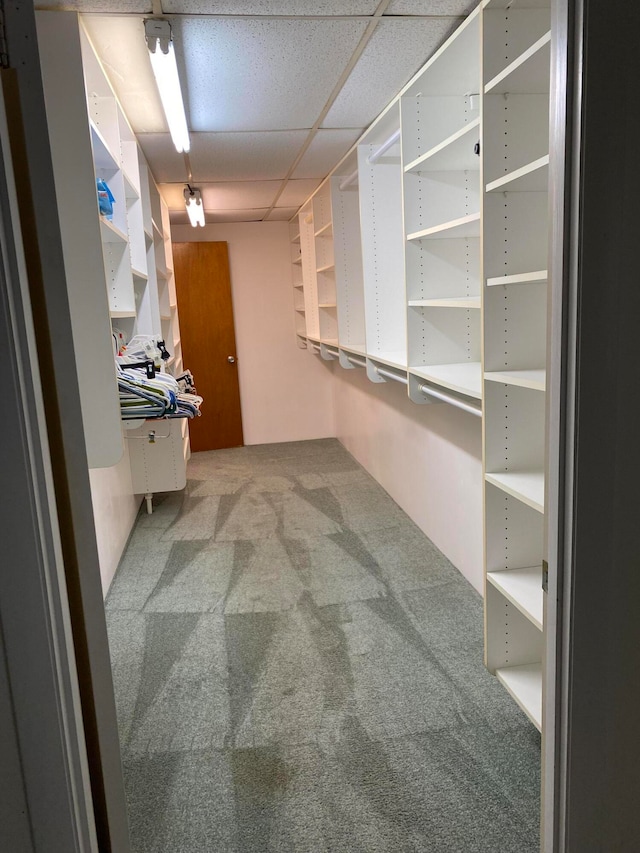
<point>195,210</point>
<point>163,62</point>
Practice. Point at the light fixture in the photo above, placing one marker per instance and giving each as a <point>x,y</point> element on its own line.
<point>163,62</point>
<point>195,209</point>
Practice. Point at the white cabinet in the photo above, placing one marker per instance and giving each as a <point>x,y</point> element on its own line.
<point>159,451</point>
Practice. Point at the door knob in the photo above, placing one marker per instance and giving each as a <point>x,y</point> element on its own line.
<point>231,359</point>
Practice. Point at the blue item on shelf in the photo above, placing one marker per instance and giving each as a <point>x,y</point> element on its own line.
<point>105,198</point>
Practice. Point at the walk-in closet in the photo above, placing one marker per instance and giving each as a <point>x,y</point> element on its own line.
<point>301,324</point>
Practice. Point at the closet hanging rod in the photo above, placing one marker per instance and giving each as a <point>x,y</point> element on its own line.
<point>359,362</point>
<point>372,158</point>
<point>350,179</point>
<point>449,398</point>
<point>389,375</point>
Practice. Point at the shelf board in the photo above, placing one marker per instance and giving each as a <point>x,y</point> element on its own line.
<point>331,342</point>
<point>534,177</point>
<point>453,154</point>
<point>325,231</point>
<point>297,260</point>
<point>326,268</point>
<point>465,226</point>
<point>465,378</point>
<point>157,230</point>
<point>528,74</point>
<point>165,316</point>
<point>104,159</point>
<point>162,273</point>
<point>519,278</point>
<point>358,349</point>
<point>524,684</point>
<point>391,359</point>
<point>534,379</point>
<point>523,588</point>
<point>141,276</point>
<point>110,233</point>
<point>121,315</point>
<point>299,310</point>
<point>327,305</point>
<point>300,284</point>
<point>526,486</point>
<point>451,302</point>
<point>296,239</point>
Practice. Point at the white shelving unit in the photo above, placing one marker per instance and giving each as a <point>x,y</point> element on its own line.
<point>515,174</point>
<point>299,318</point>
<point>133,292</point>
<point>440,112</point>
<point>380,191</point>
<point>438,249</point>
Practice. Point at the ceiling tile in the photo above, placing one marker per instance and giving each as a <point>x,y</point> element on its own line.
<point>244,156</point>
<point>261,74</point>
<point>143,7</point>
<point>281,214</point>
<point>120,43</point>
<point>431,7</point>
<point>297,192</point>
<point>397,49</point>
<point>165,163</point>
<point>273,7</point>
<point>224,156</point>
<point>327,148</point>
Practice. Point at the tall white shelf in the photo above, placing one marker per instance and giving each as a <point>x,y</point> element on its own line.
<point>436,239</point>
<point>299,320</point>
<point>516,63</point>
<point>132,291</point>
<point>440,140</point>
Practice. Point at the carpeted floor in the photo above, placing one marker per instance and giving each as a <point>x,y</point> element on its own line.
<point>298,669</point>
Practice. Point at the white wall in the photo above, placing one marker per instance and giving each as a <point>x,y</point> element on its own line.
<point>115,508</point>
<point>285,395</point>
<point>429,459</point>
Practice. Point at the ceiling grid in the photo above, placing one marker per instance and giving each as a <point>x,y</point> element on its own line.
<point>276,91</point>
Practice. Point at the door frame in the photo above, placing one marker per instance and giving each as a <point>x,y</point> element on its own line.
<point>591,779</point>
<point>57,684</point>
<point>592,749</point>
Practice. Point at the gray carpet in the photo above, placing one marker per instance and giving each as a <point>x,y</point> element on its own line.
<point>298,669</point>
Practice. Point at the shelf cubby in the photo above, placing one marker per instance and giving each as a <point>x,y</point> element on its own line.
<point>525,486</point>
<point>523,588</point>
<point>345,215</point>
<point>380,190</point>
<point>524,684</point>
<point>527,73</point>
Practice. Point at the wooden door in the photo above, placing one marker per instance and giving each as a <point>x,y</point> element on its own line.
<point>203,288</point>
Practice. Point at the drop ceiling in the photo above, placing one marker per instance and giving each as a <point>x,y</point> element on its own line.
<point>276,91</point>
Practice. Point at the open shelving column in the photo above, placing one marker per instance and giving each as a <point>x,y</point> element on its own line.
<point>380,189</point>
<point>440,113</point>
<point>345,215</point>
<point>300,324</point>
<point>515,174</point>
